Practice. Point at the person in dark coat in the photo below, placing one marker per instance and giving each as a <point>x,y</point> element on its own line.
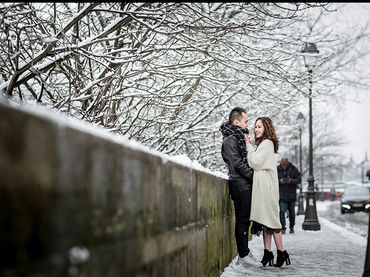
<point>289,178</point>
<point>234,154</point>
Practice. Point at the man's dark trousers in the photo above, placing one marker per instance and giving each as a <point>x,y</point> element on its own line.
<point>242,207</point>
<point>287,205</point>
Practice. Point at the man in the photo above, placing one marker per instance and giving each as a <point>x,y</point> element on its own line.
<point>234,154</point>
<point>289,178</point>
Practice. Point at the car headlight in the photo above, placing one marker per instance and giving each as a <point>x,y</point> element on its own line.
<point>367,206</point>
<point>346,206</point>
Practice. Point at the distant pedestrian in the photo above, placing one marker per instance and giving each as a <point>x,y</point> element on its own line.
<point>289,178</point>
<point>234,154</point>
<point>332,193</point>
<point>265,190</point>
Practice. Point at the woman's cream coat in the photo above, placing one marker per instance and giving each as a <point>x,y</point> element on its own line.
<point>265,190</point>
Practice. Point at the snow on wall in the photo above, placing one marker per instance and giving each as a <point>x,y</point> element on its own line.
<point>98,131</point>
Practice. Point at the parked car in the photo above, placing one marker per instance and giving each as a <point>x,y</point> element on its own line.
<point>353,183</point>
<point>355,199</point>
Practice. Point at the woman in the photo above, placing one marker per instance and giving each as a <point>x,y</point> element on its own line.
<point>265,190</point>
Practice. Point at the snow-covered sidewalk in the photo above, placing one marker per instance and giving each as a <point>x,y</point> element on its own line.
<point>332,251</point>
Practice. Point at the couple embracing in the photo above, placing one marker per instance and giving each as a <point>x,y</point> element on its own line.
<point>253,185</point>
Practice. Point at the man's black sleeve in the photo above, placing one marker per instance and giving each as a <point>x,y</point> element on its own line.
<point>297,177</point>
<point>232,154</point>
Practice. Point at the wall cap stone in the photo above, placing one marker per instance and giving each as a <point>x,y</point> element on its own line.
<point>64,120</point>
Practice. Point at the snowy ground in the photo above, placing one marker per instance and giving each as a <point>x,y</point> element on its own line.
<point>332,251</point>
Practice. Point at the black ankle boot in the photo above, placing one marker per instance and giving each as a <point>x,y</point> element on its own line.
<point>268,258</point>
<point>281,258</point>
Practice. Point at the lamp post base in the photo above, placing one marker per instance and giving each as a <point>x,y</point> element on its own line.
<point>311,221</point>
<point>311,226</point>
<point>300,210</point>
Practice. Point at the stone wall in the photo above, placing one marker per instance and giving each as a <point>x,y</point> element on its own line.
<point>74,202</point>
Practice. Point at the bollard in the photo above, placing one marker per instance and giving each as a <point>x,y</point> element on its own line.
<point>367,259</point>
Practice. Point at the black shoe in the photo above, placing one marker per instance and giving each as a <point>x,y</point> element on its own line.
<point>268,258</point>
<point>281,258</point>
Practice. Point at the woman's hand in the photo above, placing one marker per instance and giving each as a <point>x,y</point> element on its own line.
<point>247,140</point>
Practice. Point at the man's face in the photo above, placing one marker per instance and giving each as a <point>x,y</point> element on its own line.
<point>243,122</point>
<point>284,163</point>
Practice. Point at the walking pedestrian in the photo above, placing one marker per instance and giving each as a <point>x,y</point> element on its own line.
<point>265,190</point>
<point>289,178</point>
<point>234,154</point>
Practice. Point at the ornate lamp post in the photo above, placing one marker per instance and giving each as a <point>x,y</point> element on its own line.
<point>363,164</point>
<point>311,221</point>
<point>322,180</point>
<point>300,121</point>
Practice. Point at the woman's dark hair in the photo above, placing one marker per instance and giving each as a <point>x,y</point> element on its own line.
<point>269,132</point>
<point>236,113</point>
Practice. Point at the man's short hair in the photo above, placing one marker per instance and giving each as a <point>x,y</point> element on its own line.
<point>236,113</point>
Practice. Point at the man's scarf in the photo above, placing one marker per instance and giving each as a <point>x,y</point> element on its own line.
<point>227,129</point>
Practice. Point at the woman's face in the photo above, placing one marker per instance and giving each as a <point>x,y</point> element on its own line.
<point>259,129</point>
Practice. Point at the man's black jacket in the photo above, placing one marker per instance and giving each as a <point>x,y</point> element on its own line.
<point>240,174</point>
<point>288,190</point>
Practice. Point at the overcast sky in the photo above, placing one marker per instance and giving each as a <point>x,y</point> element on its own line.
<point>357,118</point>
<point>357,126</point>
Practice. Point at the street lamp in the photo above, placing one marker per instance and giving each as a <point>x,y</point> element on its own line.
<point>363,163</point>
<point>322,194</point>
<point>300,121</point>
<point>311,221</point>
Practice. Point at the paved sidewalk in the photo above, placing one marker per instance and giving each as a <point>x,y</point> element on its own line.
<point>332,251</point>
